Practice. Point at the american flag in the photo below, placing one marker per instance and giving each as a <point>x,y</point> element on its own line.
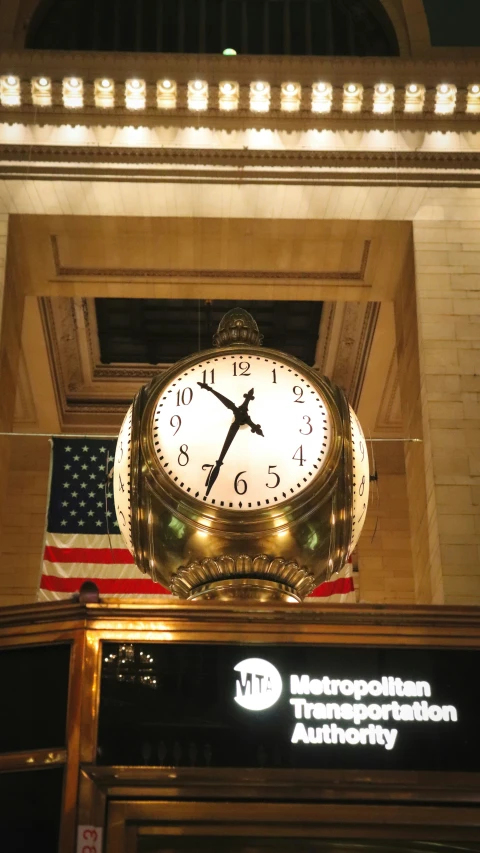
<point>83,542</point>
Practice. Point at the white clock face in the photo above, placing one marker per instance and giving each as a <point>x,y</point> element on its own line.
<point>360,479</point>
<point>121,480</point>
<point>241,431</point>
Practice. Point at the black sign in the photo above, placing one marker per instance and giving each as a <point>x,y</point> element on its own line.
<point>297,706</point>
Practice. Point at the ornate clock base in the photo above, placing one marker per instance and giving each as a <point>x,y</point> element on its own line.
<point>245,588</point>
<point>264,578</point>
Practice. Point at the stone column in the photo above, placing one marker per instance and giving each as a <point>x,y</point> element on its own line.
<point>444,400</point>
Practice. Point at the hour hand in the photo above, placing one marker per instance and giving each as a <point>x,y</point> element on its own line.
<point>226,402</point>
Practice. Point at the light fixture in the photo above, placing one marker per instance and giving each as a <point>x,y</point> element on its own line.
<point>260,97</point>
<point>229,51</point>
<point>352,97</point>
<point>104,93</point>
<point>197,94</point>
<point>414,98</point>
<point>290,97</point>
<point>41,88</point>
<point>322,94</point>
<point>473,98</point>
<point>228,95</point>
<point>445,99</point>
<point>166,94</point>
<point>383,98</point>
<point>135,93</point>
<point>72,91</point>
<point>10,91</point>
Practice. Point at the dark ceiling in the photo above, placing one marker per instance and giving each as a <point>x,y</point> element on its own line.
<point>453,23</point>
<point>291,27</point>
<point>162,331</point>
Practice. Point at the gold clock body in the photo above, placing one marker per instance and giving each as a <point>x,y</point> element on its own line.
<point>278,552</point>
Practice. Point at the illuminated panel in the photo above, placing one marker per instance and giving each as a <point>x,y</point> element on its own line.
<point>383,97</point>
<point>321,97</point>
<point>41,91</point>
<point>197,95</point>
<point>10,90</point>
<point>104,92</point>
<point>473,98</point>
<point>445,99</point>
<point>414,98</point>
<point>260,97</point>
<point>228,94</point>
<point>352,97</point>
<point>135,93</point>
<point>290,97</point>
<point>72,92</point>
<point>166,94</point>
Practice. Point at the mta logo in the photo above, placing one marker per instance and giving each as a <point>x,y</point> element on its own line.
<point>258,684</point>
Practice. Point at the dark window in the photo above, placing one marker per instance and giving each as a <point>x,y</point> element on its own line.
<point>161,331</point>
<point>33,708</point>
<point>30,810</point>
<point>298,27</point>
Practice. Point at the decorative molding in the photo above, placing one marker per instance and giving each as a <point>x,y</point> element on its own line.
<point>389,416</point>
<point>261,275</point>
<point>225,567</point>
<point>25,412</point>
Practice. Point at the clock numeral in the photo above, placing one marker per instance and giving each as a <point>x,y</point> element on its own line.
<point>120,484</point>
<point>243,368</point>
<point>307,424</point>
<point>362,512</point>
<point>298,455</point>
<point>204,468</point>
<point>361,448</point>
<point>121,452</point>
<point>212,377</point>
<point>177,424</point>
<point>274,373</point>
<point>184,397</point>
<point>119,512</point>
<point>183,455</point>
<point>361,487</point>
<point>272,473</point>
<point>299,392</point>
<point>240,484</point>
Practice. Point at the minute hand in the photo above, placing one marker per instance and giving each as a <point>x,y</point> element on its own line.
<point>218,464</point>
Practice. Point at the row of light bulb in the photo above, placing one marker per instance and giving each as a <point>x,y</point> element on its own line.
<point>229,94</point>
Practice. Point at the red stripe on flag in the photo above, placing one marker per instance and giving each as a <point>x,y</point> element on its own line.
<point>338,587</point>
<point>107,586</point>
<point>88,555</point>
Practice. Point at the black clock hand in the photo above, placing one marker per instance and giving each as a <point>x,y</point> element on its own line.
<point>226,402</point>
<point>218,464</point>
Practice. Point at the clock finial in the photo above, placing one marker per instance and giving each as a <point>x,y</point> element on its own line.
<point>237,326</point>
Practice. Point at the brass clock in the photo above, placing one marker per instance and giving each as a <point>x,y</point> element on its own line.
<point>241,472</point>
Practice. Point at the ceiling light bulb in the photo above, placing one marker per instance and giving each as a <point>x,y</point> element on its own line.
<point>166,84</point>
<point>475,89</point>
<point>351,88</point>
<point>73,82</point>
<point>321,87</point>
<point>43,81</point>
<point>382,88</point>
<point>227,87</point>
<point>444,88</point>
<point>135,84</point>
<point>198,85</point>
<point>11,80</point>
<point>105,83</point>
<point>413,88</point>
<point>259,87</point>
<point>290,87</point>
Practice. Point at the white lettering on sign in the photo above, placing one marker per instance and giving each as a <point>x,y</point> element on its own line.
<point>89,839</point>
<point>258,684</point>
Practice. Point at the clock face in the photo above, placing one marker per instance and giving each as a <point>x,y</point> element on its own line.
<point>360,478</point>
<point>121,480</point>
<point>241,431</point>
